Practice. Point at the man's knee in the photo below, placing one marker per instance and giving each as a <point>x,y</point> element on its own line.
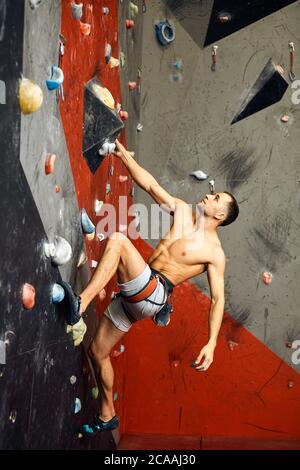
<point>118,236</point>
<point>98,351</point>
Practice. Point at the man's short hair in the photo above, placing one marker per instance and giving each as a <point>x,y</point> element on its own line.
<point>232,211</point>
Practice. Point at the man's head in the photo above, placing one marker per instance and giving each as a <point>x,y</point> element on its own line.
<point>222,207</point>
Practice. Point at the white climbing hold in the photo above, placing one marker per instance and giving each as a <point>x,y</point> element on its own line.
<point>212,186</point>
<point>73,379</point>
<point>200,175</point>
<point>93,263</point>
<point>100,236</point>
<point>139,127</point>
<point>107,148</point>
<point>77,405</point>
<point>2,92</point>
<point>82,259</point>
<point>34,3</point>
<point>60,251</point>
<point>98,206</point>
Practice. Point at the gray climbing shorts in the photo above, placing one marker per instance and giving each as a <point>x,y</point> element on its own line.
<point>139,310</point>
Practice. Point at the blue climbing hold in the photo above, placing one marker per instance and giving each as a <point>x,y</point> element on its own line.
<point>77,405</point>
<point>58,293</point>
<point>86,223</point>
<point>165,32</point>
<point>56,80</point>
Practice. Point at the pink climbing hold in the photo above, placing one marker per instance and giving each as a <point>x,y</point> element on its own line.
<point>267,278</point>
<point>132,85</point>
<point>84,28</point>
<point>285,118</point>
<point>123,115</point>
<point>102,295</point>
<point>232,345</point>
<point>28,296</point>
<point>49,164</point>
<point>129,24</point>
<point>290,384</point>
<point>123,178</point>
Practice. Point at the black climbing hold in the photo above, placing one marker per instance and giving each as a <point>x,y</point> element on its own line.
<point>100,123</point>
<point>268,89</point>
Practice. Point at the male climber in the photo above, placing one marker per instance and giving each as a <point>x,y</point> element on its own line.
<point>189,249</point>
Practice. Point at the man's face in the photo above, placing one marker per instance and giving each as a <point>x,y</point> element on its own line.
<point>215,204</point>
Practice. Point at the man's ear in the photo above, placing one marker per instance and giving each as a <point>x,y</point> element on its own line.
<point>220,215</point>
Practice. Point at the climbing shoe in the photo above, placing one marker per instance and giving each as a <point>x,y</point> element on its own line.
<point>90,430</point>
<point>72,304</point>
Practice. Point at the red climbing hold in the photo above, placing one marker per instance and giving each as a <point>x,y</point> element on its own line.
<point>57,188</point>
<point>132,85</point>
<point>28,296</point>
<point>84,28</point>
<point>129,24</point>
<point>123,115</point>
<point>49,164</point>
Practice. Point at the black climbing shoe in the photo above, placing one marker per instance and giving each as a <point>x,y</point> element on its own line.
<point>163,317</point>
<point>90,430</point>
<point>72,304</point>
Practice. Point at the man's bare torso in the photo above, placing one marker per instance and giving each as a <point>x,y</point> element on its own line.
<point>182,258</point>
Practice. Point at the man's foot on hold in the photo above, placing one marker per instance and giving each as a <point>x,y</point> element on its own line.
<point>72,304</point>
<point>98,425</point>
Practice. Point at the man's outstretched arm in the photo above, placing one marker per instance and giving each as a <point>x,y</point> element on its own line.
<point>215,274</point>
<point>146,181</point>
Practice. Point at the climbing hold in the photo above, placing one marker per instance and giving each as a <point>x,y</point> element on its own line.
<point>73,379</point>
<point>2,92</point>
<point>165,32</point>
<point>90,236</point>
<point>59,251</point>
<point>107,148</point>
<point>176,363</point>
<point>113,62</point>
<point>34,3</point>
<point>77,10</point>
<point>84,28</point>
<point>132,190</point>
<point>232,345</point>
<point>267,277</point>
<point>122,59</point>
<point>78,331</point>
<point>102,295</point>
<point>289,345</point>
<point>107,53</point>
<point>12,416</point>
<point>57,78</point>
<point>98,206</point>
<point>107,188</point>
<point>93,263</point>
<point>30,96</point>
<point>49,164</point>
<point>224,17</point>
<point>133,9</point>
<point>292,59</point>
<point>104,95</point>
<point>268,89</point>
<point>28,296</point>
<point>290,384</point>
<point>285,118</point>
<point>123,115</point>
<point>117,353</point>
<point>178,64</point>
<point>214,58</point>
<point>199,175</point>
<point>132,85</point>
<point>77,405</point>
<point>115,396</point>
<point>86,223</point>
<point>82,259</point>
<point>2,353</point>
<point>212,186</point>
<point>58,293</point>
<point>57,188</point>
<point>95,393</point>
<point>129,24</point>
<point>122,178</point>
<point>105,10</point>
<point>111,170</point>
<point>139,127</point>
<point>100,236</point>
<point>122,227</point>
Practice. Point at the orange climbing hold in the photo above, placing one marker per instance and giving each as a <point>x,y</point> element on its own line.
<point>49,164</point>
<point>84,28</point>
<point>28,296</point>
<point>267,278</point>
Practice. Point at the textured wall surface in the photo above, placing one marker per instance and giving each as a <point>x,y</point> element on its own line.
<point>187,127</point>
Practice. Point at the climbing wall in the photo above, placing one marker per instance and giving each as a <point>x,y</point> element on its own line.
<point>50,171</point>
<point>250,395</point>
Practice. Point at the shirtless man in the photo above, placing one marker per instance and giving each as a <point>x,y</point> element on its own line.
<point>145,288</point>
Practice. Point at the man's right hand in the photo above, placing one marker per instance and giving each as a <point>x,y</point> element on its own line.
<point>121,150</point>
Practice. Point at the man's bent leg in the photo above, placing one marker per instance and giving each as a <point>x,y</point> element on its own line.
<point>120,254</point>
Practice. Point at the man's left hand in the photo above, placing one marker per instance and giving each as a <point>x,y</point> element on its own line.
<point>206,353</point>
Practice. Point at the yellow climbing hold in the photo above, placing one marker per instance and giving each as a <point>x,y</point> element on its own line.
<point>95,392</point>
<point>30,96</point>
<point>104,95</point>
